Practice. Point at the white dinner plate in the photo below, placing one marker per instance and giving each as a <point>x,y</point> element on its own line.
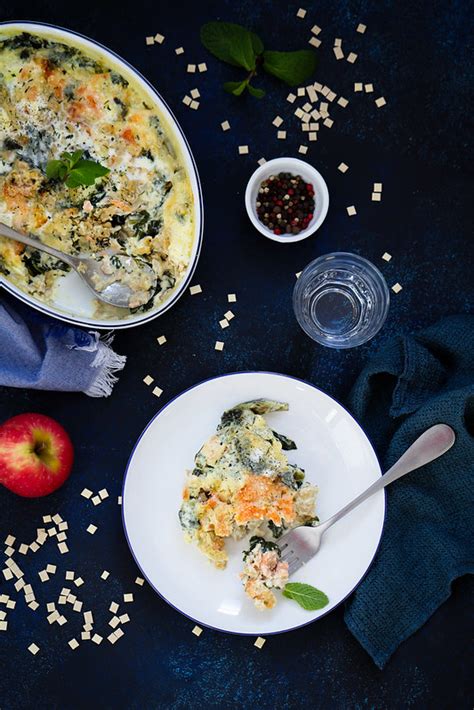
<point>73,301</point>
<point>333,450</point>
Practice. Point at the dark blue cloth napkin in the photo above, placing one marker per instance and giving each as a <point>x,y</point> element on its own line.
<point>412,383</point>
<point>38,352</point>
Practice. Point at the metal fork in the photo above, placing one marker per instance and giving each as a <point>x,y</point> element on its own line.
<point>298,546</point>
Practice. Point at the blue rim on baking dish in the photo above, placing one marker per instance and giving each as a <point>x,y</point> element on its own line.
<point>138,319</point>
<point>380,515</point>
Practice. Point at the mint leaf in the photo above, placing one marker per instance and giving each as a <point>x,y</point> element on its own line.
<point>257,43</point>
<point>258,93</point>
<point>231,43</point>
<point>85,172</point>
<point>52,168</point>
<point>76,156</point>
<point>235,87</point>
<point>72,158</point>
<point>293,68</point>
<point>75,170</point>
<point>307,596</point>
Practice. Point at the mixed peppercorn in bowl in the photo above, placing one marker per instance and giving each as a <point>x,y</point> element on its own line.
<point>285,203</point>
<point>287,199</point>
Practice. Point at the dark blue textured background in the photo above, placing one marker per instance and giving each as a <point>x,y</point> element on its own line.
<point>417,55</point>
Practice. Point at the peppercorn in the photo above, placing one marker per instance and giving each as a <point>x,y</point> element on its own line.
<point>285,203</point>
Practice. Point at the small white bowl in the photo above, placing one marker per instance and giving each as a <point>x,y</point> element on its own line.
<point>295,167</point>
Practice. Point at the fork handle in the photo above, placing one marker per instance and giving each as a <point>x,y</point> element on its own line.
<point>434,442</point>
<point>10,233</point>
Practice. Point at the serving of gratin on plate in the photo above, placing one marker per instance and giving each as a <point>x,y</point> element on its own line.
<point>222,472</point>
<point>243,484</point>
<point>61,93</point>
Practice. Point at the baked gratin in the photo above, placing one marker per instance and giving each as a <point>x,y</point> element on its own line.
<point>242,483</point>
<point>56,98</point>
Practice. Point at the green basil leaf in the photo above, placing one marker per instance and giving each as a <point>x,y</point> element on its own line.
<point>258,93</point>
<point>231,43</point>
<point>293,68</point>
<point>235,87</point>
<point>307,596</point>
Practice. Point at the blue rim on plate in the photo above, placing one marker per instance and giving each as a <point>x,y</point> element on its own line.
<point>198,621</point>
<point>77,321</point>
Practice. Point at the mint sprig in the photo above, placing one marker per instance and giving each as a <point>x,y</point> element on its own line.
<point>74,170</point>
<point>242,48</point>
<point>306,595</point>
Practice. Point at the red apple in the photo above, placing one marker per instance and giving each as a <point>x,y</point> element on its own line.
<point>36,455</point>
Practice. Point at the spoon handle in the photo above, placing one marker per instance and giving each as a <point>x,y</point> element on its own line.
<point>434,442</point>
<point>10,233</point>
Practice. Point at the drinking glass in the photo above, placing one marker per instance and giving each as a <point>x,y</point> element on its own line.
<point>341,300</point>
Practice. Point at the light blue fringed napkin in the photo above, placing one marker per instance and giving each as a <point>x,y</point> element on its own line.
<point>37,352</point>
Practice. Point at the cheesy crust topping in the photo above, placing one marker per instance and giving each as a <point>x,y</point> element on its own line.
<point>54,98</point>
<point>242,483</point>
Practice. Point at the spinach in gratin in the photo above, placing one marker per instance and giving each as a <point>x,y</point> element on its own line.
<point>55,99</point>
<point>242,483</point>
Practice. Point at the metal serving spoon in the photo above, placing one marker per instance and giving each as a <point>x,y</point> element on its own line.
<point>301,544</point>
<point>89,269</point>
